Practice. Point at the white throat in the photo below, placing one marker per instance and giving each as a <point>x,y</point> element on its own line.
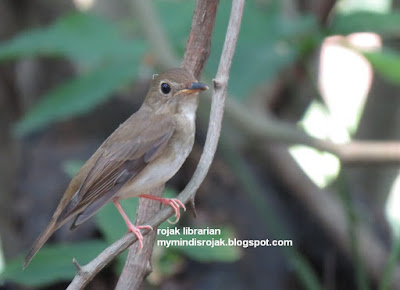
<point>188,108</point>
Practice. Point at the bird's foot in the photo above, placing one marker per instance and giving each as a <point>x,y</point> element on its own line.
<point>131,227</point>
<point>136,231</point>
<point>175,203</point>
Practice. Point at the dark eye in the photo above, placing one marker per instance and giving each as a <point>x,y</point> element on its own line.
<point>165,88</point>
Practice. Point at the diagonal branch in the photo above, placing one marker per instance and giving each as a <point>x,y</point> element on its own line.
<point>138,263</point>
<point>88,271</point>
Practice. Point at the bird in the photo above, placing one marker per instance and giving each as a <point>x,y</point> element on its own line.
<point>142,154</point>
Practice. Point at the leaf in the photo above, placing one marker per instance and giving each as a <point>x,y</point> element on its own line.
<point>205,253</point>
<point>81,37</point>
<point>305,272</point>
<point>77,96</point>
<point>268,42</point>
<point>110,222</point>
<point>71,167</point>
<point>88,39</point>
<point>387,63</point>
<point>383,24</point>
<point>177,22</point>
<point>113,227</point>
<point>51,263</point>
<point>391,263</point>
<point>264,46</point>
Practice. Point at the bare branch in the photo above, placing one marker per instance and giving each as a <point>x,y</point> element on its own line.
<point>198,46</point>
<point>255,124</point>
<point>217,109</point>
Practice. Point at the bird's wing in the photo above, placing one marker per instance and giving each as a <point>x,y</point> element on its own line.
<point>124,157</point>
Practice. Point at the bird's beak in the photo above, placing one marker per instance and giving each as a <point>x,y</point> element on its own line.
<point>194,88</point>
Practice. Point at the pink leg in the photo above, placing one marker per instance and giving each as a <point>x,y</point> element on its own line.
<point>173,202</point>
<point>132,228</point>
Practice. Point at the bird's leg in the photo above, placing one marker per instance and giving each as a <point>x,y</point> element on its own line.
<point>173,202</point>
<point>132,228</point>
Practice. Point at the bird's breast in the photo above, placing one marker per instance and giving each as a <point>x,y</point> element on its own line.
<point>163,168</point>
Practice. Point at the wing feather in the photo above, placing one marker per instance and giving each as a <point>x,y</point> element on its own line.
<point>122,159</point>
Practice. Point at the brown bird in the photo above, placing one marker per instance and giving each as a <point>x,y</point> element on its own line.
<point>140,155</point>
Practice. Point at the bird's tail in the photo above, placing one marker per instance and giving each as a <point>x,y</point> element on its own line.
<point>44,236</point>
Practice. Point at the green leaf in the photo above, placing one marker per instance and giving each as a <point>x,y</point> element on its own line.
<point>268,42</point>
<point>71,167</point>
<point>391,263</point>
<point>110,222</point>
<point>205,253</point>
<point>177,23</point>
<point>305,271</point>
<point>81,37</point>
<point>166,263</point>
<point>52,263</point>
<point>387,63</point>
<point>384,24</point>
<point>265,45</point>
<point>113,227</point>
<point>77,96</point>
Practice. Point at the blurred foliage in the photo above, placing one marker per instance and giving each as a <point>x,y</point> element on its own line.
<point>111,61</point>
<point>269,217</point>
<point>107,60</point>
<point>77,96</point>
<point>390,265</point>
<point>386,25</point>
<point>53,263</point>
<point>387,63</point>
<point>260,59</point>
<point>80,37</point>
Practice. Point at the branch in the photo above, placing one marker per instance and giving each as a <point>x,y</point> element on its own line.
<point>198,46</point>
<point>87,272</point>
<point>138,263</point>
<point>254,124</point>
<point>218,101</point>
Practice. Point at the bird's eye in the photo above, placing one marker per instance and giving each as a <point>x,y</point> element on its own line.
<point>165,88</point>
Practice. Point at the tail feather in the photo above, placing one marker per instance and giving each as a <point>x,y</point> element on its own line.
<point>44,236</point>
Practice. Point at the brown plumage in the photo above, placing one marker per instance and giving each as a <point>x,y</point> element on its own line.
<point>141,154</point>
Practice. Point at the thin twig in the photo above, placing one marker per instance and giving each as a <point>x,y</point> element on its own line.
<point>92,268</point>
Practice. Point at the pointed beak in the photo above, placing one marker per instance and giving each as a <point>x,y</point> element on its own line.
<point>194,88</point>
